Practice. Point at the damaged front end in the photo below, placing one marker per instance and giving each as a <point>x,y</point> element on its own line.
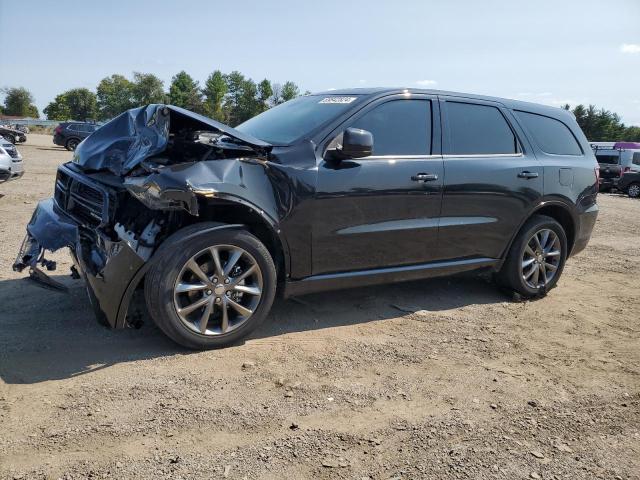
<point>108,256</point>
<point>131,184</point>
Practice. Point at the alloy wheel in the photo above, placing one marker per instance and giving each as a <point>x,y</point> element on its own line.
<point>541,258</point>
<point>634,190</point>
<point>218,289</point>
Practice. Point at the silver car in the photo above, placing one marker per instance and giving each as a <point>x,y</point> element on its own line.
<point>10,161</point>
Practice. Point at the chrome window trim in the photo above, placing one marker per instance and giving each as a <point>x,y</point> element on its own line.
<point>396,157</point>
<point>484,155</point>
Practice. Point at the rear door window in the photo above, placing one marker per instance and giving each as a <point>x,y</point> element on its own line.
<point>479,130</point>
<point>551,135</point>
<point>636,158</point>
<point>608,159</point>
<point>399,127</point>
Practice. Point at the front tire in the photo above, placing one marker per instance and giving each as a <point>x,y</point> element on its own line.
<point>212,290</point>
<point>536,259</point>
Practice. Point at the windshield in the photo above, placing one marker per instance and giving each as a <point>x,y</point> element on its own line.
<point>291,120</point>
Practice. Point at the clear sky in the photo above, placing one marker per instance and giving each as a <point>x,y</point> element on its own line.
<point>548,51</point>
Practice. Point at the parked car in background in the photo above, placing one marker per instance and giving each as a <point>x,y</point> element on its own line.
<point>70,134</point>
<point>629,183</point>
<point>327,191</point>
<point>21,128</point>
<point>13,135</point>
<point>615,159</point>
<point>11,166</point>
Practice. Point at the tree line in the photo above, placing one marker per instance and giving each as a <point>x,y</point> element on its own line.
<point>600,125</point>
<point>229,98</point>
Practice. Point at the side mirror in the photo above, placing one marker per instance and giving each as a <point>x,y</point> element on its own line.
<point>356,143</point>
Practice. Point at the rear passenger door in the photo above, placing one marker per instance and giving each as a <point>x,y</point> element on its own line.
<point>73,131</point>
<point>568,174</point>
<point>491,179</point>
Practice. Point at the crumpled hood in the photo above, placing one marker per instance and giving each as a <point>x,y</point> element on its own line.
<point>139,133</point>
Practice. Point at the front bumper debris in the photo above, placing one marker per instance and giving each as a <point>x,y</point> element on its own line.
<point>111,269</point>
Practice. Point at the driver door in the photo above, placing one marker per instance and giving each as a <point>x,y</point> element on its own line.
<point>382,210</point>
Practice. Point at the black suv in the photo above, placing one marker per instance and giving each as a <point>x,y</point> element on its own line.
<point>332,190</point>
<point>70,134</point>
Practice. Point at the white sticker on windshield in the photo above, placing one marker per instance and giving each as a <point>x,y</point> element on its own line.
<point>337,100</point>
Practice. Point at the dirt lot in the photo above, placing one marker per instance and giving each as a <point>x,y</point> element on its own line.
<point>435,379</point>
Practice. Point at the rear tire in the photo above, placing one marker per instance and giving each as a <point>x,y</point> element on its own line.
<point>173,287</point>
<point>536,258</point>
<point>71,144</point>
<point>634,190</point>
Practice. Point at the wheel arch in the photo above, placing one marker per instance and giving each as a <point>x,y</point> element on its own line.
<point>234,210</point>
<point>561,212</point>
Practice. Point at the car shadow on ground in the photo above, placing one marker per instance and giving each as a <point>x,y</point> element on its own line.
<point>51,335</point>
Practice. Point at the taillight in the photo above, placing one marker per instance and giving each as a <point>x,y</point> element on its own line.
<point>624,170</point>
<point>58,129</point>
<point>597,172</point>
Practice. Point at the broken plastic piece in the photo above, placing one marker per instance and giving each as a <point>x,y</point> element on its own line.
<point>45,281</point>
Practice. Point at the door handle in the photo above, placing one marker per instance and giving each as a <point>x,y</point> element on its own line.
<point>424,177</point>
<point>528,175</point>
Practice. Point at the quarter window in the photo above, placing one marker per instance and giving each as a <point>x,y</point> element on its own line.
<point>479,130</point>
<point>399,127</point>
<point>551,135</point>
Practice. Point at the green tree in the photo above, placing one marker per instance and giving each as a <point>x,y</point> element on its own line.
<point>290,91</point>
<point>18,101</point>
<point>249,103</point>
<point>115,95</point>
<point>601,125</point>
<point>215,89</point>
<point>184,92</point>
<point>74,104</point>
<point>632,134</point>
<point>235,85</point>
<point>265,92</point>
<point>58,109</point>
<point>147,88</point>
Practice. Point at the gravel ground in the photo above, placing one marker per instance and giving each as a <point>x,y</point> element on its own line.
<point>443,378</point>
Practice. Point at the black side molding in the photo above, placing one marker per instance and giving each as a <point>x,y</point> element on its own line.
<point>335,281</point>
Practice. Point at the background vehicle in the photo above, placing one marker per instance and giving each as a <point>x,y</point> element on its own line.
<point>327,191</point>
<point>17,126</point>
<point>11,166</point>
<point>616,159</point>
<point>12,135</point>
<point>70,134</point>
<point>629,183</point>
